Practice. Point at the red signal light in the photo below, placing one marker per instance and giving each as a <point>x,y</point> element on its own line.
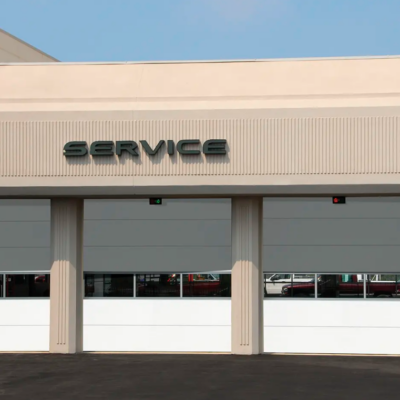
<point>339,200</point>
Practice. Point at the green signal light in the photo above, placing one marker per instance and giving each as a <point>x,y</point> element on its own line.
<point>155,201</point>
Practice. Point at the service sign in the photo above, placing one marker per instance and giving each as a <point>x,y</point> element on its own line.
<point>109,148</point>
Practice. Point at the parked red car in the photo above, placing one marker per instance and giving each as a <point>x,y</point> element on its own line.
<point>342,286</point>
<point>196,285</point>
<point>199,285</point>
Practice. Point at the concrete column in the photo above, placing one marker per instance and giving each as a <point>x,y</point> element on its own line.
<point>247,292</point>
<point>66,276</point>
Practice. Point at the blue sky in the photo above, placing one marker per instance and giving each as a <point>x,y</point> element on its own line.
<point>137,30</point>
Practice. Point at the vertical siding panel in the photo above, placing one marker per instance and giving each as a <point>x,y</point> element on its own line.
<point>266,132</point>
<point>315,169</point>
<point>371,157</point>
<point>363,135</point>
<point>260,147</point>
<point>275,146</point>
<point>299,146</point>
<point>395,144</point>
<point>391,155</point>
<point>303,138</point>
<point>289,148</point>
<point>352,155</point>
<point>335,146</point>
<point>278,146</point>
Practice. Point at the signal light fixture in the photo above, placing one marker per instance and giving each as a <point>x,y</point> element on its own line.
<point>155,201</point>
<point>339,200</point>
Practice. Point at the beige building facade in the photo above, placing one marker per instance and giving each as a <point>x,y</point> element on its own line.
<point>261,135</point>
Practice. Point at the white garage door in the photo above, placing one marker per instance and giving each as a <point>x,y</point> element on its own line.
<point>332,275</point>
<point>24,275</point>
<point>157,278</point>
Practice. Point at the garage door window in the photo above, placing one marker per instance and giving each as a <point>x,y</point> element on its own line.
<point>158,285</point>
<point>289,285</point>
<point>383,286</point>
<point>206,285</point>
<point>27,285</point>
<point>109,285</point>
<point>340,286</point>
<point>347,286</point>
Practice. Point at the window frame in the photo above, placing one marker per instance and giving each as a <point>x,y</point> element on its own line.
<point>363,282</point>
<point>135,274</point>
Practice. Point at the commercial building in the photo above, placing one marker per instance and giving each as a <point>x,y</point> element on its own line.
<point>273,223</point>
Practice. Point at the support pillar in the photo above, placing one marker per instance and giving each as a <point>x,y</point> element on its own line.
<point>247,280</point>
<point>66,276</point>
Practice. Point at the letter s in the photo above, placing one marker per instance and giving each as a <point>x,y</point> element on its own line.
<point>75,149</point>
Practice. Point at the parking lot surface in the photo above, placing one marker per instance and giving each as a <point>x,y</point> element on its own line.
<point>195,377</point>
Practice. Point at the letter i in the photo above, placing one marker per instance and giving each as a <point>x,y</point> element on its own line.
<point>171,147</point>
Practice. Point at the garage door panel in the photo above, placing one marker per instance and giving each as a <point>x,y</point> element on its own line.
<point>330,259</point>
<point>157,312</point>
<point>24,210</point>
<point>25,259</point>
<point>157,259</point>
<point>157,233</point>
<point>171,209</point>
<point>324,340</point>
<point>24,338</point>
<point>24,234</point>
<point>24,325</point>
<point>331,326</point>
<point>23,312</point>
<point>332,232</point>
<point>158,338</point>
<point>157,325</point>
<point>332,313</point>
<point>373,207</point>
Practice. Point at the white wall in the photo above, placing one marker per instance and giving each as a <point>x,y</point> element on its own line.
<point>332,326</point>
<point>159,325</point>
<point>24,325</point>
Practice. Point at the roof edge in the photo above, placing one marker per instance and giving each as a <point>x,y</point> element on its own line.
<point>197,61</point>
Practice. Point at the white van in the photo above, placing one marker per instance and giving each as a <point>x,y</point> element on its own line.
<point>273,285</point>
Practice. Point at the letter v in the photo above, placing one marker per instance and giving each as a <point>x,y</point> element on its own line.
<point>149,150</point>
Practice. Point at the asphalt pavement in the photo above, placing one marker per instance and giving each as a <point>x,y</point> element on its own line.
<point>197,377</point>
